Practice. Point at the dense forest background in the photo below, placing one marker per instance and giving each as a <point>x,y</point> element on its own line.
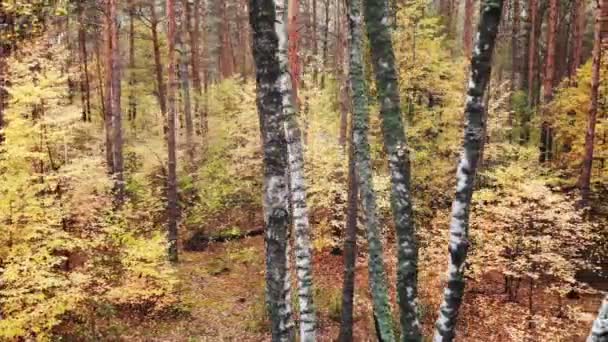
<point>207,170</point>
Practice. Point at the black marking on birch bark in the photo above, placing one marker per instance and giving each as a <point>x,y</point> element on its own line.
<point>265,46</point>
<point>467,167</point>
<point>599,330</point>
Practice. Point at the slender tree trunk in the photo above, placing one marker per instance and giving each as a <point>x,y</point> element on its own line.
<point>377,274</point>
<point>185,86</point>
<point>585,177</point>
<point>350,249</point>
<point>303,247</point>
<point>467,168</point>
<point>546,135</point>
<point>315,45</point>
<point>84,80</point>
<point>276,166</point>
<point>100,78</point>
<point>195,56</point>
<point>158,66</point>
<point>325,44</point>
<point>108,95</point>
<point>115,93</point>
<point>383,60</point>
<point>578,27</point>
<point>4,52</point>
<point>132,81</point>
<point>533,53</point>
<point>294,47</point>
<point>467,35</point>
<point>515,66</point>
<point>172,205</point>
<point>343,71</point>
<point>599,330</point>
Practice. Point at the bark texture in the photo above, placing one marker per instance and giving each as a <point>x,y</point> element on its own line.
<point>585,177</point>
<point>599,330</point>
<point>172,205</point>
<point>276,203</point>
<point>383,60</point>
<point>303,247</point>
<point>115,95</point>
<point>377,274</point>
<point>467,169</point>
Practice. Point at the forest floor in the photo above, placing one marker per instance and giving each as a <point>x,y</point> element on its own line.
<point>222,290</point>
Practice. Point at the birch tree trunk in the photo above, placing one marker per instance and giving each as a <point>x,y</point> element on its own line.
<point>599,330</point>
<point>377,274</point>
<point>303,248</point>
<point>276,203</point>
<point>172,205</point>
<point>383,59</point>
<point>467,168</point>
<point>585,177</point>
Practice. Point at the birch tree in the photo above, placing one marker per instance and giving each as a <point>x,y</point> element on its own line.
<point>296,179</point>
<point>599,330</point>
<point>467,168</point>
<point>377,274</point>
<point>383,60</point>
<point>269,101</point>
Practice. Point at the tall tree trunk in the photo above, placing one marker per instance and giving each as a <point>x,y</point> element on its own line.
<point>342,69</point>
<point>84,79</point>
<point>115,93</point>
<point>294,47</point>
<point>100,78</point>
<point>325,43</point>
<point>158,66</point>
<point>515,66</point>
<point>132,81</point>
<point>546,135</point>
<point>108,86</point>
<point>585,178</point>
<point>377,274</point>
<point>383,60</point>
<point>467,35</point>
<point>533,53</point>
<point>350,248</point>
<point>599,330</point>
<point>467,168</point>
<point>172,205</point>
<point>303,248</point>
<point>578,28</point>
<point>315,44</point>
<point>195,56</point>
<point>276,168</point>
<point>4,52</point>
<point>185,85</point>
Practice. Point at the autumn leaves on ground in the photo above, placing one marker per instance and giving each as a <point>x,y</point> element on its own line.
<point>206,170</point>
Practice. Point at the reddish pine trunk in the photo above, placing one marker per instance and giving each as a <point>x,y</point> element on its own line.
<point>467,35</point>
<point>132,114</point>
<point>194,32</point>
<point>294,41</point>
<point>532,54</point>
<point>585,178</point>
<point>515,47</point>
<point>546,135</point>
<point>578,27</point>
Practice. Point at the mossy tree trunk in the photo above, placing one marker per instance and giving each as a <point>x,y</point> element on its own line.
<point>378,21</point>
<point>377,273</point>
